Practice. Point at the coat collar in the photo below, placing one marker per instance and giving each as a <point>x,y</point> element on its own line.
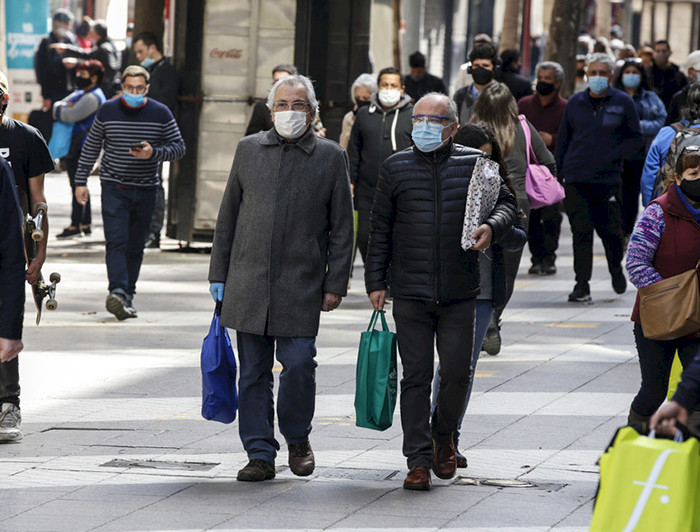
<point>307,142</point>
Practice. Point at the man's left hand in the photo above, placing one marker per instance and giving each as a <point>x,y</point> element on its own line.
<point>483,236</point>
<point>9,348</point>
<point>34,268</point>
<point>144,153</point>
<point>330,301</point>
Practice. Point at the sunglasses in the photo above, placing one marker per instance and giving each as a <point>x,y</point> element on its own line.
<point>691,149</point>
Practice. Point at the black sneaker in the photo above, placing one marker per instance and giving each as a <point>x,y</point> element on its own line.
<point>492,340</point>
<point>535,269</point>
<point>68,233</point>
<point>619,282</point>
<point>581,294</point>
<point>86,230</point>
<point>256,471</point>
<point>116,303</point>
<point>152,242</point>
<point>548,266</point>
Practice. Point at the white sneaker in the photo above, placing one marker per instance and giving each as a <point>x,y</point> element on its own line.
<point>10,422</point>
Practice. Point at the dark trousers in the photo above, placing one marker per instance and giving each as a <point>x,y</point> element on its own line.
<point>80,215</point>
<point>363,231</point>
<point>126,214</point>
<point>594,206</point>
<point>543,232</point>
<point>655,361</point>
<point>296,399</point>
<point>511,263</point>
<point>631,186</point>
<point>418,325</point>
<point>158,217</point>
<point>9,381</point>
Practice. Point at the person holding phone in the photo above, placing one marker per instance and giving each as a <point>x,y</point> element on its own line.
<point>130,177</point>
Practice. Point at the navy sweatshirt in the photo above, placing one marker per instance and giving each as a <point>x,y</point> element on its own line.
<point>596,136</point>
<point>11,257</point>
<point>116,128</point>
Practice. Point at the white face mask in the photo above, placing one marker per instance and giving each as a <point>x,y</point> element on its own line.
<point>60,32</point>
<point>389,97</point>
<point>290,124</point>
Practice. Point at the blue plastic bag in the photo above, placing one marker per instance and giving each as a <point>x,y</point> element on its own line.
<point>219,393</point>
<point>61,136</point>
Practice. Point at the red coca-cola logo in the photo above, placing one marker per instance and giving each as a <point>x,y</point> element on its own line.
<point>233,53</point>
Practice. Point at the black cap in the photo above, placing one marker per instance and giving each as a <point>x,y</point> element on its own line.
<point>416,60</point>
<point>62,15</point>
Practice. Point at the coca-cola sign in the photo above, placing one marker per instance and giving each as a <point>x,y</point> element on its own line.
<point>233,53</point>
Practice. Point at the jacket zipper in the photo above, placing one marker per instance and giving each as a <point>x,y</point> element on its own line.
<point>437,229</point>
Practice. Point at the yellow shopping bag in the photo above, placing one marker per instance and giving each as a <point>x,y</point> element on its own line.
<point>648,484</point>
<point>675,377</point>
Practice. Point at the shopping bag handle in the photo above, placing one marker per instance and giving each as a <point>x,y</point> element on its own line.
<point>373,321</point>
<point>677,437</point>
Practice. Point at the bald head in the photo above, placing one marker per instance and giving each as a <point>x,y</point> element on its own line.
<point>438,104</point>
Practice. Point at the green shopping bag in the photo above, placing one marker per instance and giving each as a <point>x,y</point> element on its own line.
<point>375,386</point>
<point>648,485</point>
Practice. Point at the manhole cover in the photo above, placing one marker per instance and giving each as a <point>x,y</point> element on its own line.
<point>349,473</point>
<point>497,482</point>
<point>160,464</point>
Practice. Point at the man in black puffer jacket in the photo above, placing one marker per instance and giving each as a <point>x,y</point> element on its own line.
<point>416,228</point>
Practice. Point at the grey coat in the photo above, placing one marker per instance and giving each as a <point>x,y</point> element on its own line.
<point>284,234</point>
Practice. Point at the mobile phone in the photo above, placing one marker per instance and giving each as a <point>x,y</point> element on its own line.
<point>138,146</point>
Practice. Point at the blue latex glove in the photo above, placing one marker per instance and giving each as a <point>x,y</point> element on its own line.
<point>217,291</point>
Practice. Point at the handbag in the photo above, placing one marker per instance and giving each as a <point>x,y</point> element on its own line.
<point>482,195</point>
<point>648,484</point>
<point>541,187</point>
<point>670,308</point>
<point>375,383</point>
<point>61,136</point>
<point>219,393</point>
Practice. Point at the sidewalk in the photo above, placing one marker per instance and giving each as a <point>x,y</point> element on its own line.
<point>114,440</point>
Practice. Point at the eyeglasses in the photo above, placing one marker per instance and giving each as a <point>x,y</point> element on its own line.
<point>298,105</point>
<point>634,60</point>
<point>433,119</point>
<point>138,89</point>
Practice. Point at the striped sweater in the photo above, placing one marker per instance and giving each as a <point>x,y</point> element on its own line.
<point>116,128</point>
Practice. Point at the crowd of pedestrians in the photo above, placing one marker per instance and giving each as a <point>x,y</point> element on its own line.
<point>407,156</point>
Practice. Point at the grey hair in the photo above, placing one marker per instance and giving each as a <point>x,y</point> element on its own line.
<point>551,65</point>
<point>296,80</point>
<point>602,58</point>
<point>368,81</point>
<point>450,112</point>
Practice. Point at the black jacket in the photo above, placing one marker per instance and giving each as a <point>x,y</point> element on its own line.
<point>376,134</point>
<point>260,120</point>
<point>416,225</point>
<point>107,54</point>
<point>55,79</point>
<point>675,108</point>
<point>164,84</point>
<point>518,85</point>
<point>417,88</point>
<point>465,103</point>
<point>666,82</point>
<point>11,257</point>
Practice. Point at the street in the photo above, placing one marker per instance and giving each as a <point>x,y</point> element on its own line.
<point>114,440</point>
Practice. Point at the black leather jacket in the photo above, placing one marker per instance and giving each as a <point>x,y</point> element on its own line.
<point>416,225</point>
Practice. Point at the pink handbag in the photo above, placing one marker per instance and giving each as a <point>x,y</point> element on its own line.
<point>541,186</point>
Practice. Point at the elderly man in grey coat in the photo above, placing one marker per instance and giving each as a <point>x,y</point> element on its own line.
<point>281,254</point>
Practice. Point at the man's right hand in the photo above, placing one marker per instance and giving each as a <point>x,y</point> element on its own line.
<point>217,291</point>
<point>48,104</point>
<point>9,349</point>
<point>81,195</point>
<point>377,298</point>
<point>664,420</point>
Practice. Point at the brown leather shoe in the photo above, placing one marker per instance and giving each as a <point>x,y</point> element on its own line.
<point>256,471</point>
<point>301,459</point>
<point>418,478</point>
<point>444,460</point>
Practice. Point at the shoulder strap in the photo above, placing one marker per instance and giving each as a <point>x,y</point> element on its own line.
<point>528,140</point>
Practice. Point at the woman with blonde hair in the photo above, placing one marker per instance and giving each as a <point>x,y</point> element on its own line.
<point>496,108</point>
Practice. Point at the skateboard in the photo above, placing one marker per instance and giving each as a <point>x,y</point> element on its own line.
<point>33,233</point>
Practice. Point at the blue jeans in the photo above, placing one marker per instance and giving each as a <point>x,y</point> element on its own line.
<point>296,399</point>
<point>126,214</point>
<point>484,311</point>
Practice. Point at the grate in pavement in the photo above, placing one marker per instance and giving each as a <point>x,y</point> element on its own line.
<point>160,464</point>
<point>87,428</point>
<point>506,483</point>
<point>349,473</point>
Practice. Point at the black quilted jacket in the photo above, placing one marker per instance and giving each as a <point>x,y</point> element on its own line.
<point>416,225</point>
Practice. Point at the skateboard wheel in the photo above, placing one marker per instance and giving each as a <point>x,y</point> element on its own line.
<point>37,235</point>
<point>41,208</point>
<point>51,304</point>
<point>55,277</point>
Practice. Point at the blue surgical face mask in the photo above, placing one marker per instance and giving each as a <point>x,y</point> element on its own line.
<point>427,136</point>
<point>133,100</point>
<point>128,41</point>
<point>598,84</point>
<point>148,62</point>
<point>631,80</point>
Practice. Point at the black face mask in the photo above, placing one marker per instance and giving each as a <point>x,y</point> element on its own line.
<point>544,88</point>
<point>482,75</point>
<point>691,189</point>
<point>81,83</point>
<point>580,73</point>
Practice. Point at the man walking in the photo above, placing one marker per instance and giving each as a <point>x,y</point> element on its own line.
<point>11,297</point>
<point>544,110</point>
<point>417,220</point>
<point>55,79</point>
<point>281,255</point>
<point>137,134</point>
<point>483,60</point>
<point>600,128</point>
<point>664,76</point>
<point>381,128</point>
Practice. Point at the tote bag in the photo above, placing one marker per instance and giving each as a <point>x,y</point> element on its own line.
<point>61,136</point>
<point>375,385</point>
<point>541,186</point>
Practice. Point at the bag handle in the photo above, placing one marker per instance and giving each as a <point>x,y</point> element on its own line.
<point>528,140</point>
<point>677,437</point>
<point>373,321</point>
